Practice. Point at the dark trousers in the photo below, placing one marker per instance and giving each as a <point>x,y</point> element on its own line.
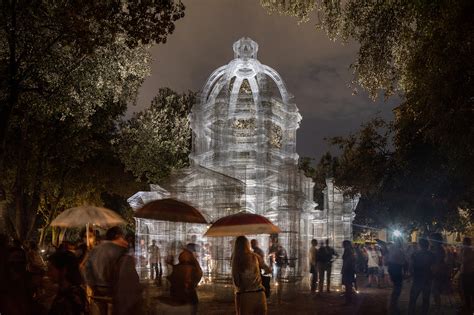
<point>467,288</point>
<point>314,277</point>
<point>324,267</point>
<point>395,272</point>
<point>155,271</point>
<point>418,287</point>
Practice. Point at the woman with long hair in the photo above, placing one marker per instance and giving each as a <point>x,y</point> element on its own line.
<point>249,291</point>
<point>348,270</point>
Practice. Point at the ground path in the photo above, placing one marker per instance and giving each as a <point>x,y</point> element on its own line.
<point>298,301</point>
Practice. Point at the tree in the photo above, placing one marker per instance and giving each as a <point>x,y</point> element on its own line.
<point>158,139</point>
<point>61,65</point>
<point>421,50</point>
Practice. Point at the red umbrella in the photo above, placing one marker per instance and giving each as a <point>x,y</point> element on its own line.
<point>170,210</point>
<point>242,223</point>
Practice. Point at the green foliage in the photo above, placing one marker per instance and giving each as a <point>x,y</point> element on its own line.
<point>158,139</point>
<point>419,168</point>
<point>67,72</point>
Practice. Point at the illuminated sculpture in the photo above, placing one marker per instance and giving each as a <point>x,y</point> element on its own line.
<point>243,158</point>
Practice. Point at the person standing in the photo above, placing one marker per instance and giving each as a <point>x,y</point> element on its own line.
<point>373,259</point>
<point>313,266</point>
<point>249,291</point>
<point>467,275</point>
<point>281,261</point>
<point>71,298</point>
<point>422,262</point>
<point>263,266</point>
<point>184,280</point>
<point>348,270</point>
<point>155,261</point>
<point>111,274</point>
<point>325,258</point>
<point>440,268</point>
<point>396,263</point>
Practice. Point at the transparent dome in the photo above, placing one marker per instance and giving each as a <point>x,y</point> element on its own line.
<point>250,98</point>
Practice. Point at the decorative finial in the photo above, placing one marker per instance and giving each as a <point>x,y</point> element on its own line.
<point>245,48</point>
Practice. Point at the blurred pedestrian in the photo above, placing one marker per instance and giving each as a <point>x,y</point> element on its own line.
<point>71,298</point>
<point>281,262</point>
<point>396,262</point>
<point>422,262</point>
<point>348,270</point>
<point>467,276</point>
<point>155,261</point>
<point>36,267</point>
<point>184,280</point>
<point>111,274</point>
<point>441,281</point>
<point>250,293</point>
<point>265,271</point>
<point>313,264</point>
<point>325,258</point>
<point>373,258</point>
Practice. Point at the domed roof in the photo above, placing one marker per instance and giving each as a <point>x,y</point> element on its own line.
<point>244,71</point>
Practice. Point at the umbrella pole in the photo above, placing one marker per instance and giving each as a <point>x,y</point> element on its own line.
<point>87,235</point>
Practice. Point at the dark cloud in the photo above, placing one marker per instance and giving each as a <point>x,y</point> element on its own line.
<point>315,69</point>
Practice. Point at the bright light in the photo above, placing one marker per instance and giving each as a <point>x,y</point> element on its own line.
<point>397,233</point>
<point>42,250</point>
<point>357,291</point>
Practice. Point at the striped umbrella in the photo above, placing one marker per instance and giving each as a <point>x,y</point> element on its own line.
<point>242,223</point>
<point>170,209</point>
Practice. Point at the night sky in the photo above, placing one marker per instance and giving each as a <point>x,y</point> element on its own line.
<point>315,70</point>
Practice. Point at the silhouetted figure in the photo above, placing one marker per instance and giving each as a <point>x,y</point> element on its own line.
<point>313,264</point>
<point>325,258</point>
<point>348,270</point>
<point>467,276</point>
<point>422,262</point>
<point>440,268</point>
<point>71,298</point>
<point>155,260</point>
<point>396,263</point>
<point>184,280</point>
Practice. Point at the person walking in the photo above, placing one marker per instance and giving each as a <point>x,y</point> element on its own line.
<point>467,276</point>
<point>184,280</point>
<point>71,298</point>
<point>396,263</point>
<point>440,268</point>
<point>155,261</point>
<point>422,262</point>
<point>348,270</point>
<point>324,261</point>
<point>111,274</point>
<point>313,265</point>
<point>249,292</point>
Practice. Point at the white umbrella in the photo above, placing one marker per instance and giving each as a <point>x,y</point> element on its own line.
<point>84,215</point>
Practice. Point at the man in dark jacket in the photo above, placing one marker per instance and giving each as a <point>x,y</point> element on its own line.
<point>324,260</point>
<point>422,262</point>
<point>111,274</point>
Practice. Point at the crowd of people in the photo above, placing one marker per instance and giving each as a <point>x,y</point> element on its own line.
<point>98,276</point>
<point>434,268</point>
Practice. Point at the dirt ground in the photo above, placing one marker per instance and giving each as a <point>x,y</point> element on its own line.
<point>291,300</point>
